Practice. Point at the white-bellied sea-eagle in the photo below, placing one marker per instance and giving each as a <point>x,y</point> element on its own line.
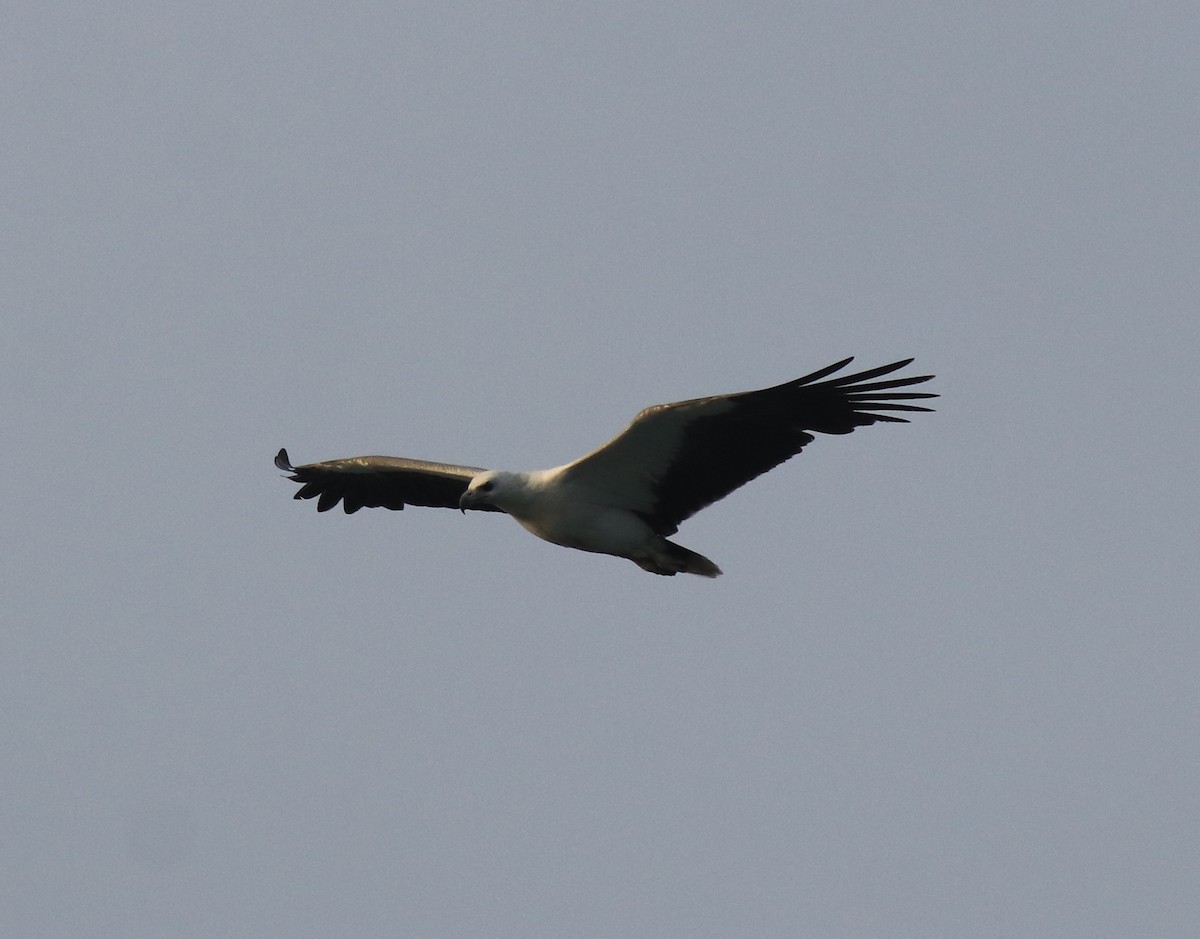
<point>625,498</point>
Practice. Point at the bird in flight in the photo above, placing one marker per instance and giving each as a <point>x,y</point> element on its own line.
<point>625,498</point>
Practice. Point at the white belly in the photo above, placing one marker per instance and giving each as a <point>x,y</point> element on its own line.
<point>601,529</point>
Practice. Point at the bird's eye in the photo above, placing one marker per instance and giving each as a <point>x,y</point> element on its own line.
<point>485,487</point>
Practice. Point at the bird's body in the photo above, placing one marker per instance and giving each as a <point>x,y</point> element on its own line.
<point>627,496</point>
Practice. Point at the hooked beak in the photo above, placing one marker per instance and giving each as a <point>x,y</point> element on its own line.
<point>466,501</point>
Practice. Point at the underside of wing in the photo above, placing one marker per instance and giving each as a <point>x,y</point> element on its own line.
<point>675,459</point>
<point>389,482</point>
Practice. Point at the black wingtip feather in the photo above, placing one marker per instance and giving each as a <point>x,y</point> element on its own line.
<point>891,383</point>
<point>822,372</point>
<point>896,407</point>
<point>858,377</point>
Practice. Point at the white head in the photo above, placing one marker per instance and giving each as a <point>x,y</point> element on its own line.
<point>497,488</point>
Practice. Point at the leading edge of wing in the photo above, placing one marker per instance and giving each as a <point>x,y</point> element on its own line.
<point>389,482</point>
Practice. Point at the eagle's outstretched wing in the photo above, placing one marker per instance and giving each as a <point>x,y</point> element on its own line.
<point>389,482</point>
<point>675,459</point>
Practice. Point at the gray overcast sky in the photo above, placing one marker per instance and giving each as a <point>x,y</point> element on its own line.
<point>948,683</point>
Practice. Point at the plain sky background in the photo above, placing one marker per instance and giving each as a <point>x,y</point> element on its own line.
<point>950,682</point>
